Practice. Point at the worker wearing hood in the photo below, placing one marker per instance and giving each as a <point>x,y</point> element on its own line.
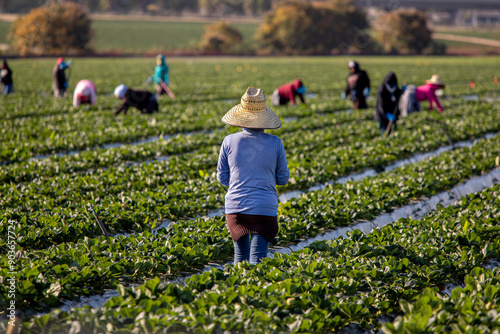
<point>287,93</point>
<point>161,74</point>
<point>387,109</point>
<point>358,86</point>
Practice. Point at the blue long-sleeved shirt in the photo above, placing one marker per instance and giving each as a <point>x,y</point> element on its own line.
<point>251,163</point>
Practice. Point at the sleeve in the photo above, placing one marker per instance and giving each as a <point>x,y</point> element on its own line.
<point>292,98</point>
<point>123,107</point>
<point>223,166</point>
<point>76,100</point>
<point>93,97</point>
<point>380,108</point>
<point>282,172</point>
<point>433,98</point>
<point>396,108</point>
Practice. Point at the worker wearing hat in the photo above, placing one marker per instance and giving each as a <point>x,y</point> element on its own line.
<point>411,98</point>
<point>251,163</point>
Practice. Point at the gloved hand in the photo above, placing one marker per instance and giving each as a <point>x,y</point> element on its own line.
<point>366,92</point>
<point>390,116</point>
<point>343,95</point>
<point>403,88</point>
<point>148,80</point>
<point>66,84</point>
<point>69,62</point>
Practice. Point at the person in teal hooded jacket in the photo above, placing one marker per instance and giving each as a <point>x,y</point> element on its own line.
<point>161,74</point>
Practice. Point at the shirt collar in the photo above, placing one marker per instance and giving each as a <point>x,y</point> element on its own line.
<point>252,130</point>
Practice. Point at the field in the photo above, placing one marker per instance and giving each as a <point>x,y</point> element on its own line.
<point>435,274</point>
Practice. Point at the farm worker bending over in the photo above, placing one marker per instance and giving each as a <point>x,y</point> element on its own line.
<point>144,101</point>
<point>287,93</point>
<point>387,110</point>
<point>6,78</point>
<point>251,163</point>
<point>358,86</point>
<point>410,101</point>
<point>85,93</point>
<point>59,82</point>
<point>161,74</point>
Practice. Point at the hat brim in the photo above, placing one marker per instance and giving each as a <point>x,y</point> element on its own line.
<point>237,116</point>
<point>435,83</point>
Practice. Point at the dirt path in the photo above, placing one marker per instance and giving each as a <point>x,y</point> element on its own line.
<point>467,39</point>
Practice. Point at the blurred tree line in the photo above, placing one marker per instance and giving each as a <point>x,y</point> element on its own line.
<point>289,28</point>
<point>205,7</point>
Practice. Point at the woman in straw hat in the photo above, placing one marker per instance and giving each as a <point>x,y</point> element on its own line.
<point>410,101</point>
<point>251,163</point>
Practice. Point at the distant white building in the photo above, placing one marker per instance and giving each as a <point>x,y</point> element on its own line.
<point>455,12</point>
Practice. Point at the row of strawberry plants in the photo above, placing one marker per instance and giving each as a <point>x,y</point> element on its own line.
<point>56,206</point>
<point>89,129</point>
<point>69,270</point>
<point>27,170</point>
<point>77,131</point>
<point>472,308</point>
<point>358,280</point>
<point>57,211</point>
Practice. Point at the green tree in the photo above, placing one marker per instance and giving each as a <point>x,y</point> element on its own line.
<point>312,28</point>
<point>220,37</point>
<point>402,31</point>
<point>52,30</point>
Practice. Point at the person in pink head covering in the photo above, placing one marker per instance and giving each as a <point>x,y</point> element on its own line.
<point>85,93</point>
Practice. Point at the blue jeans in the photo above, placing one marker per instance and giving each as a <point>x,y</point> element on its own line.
<point>250,247</point>
<point>7,89</point>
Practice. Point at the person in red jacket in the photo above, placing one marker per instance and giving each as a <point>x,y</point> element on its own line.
<point>287,93</point>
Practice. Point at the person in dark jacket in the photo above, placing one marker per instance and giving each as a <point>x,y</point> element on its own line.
<point>387,110</point>
<point>143,100</point>
<point>358,86</point>
<point>6,78</point>
<point>287,93</point>
<point>59,82</point>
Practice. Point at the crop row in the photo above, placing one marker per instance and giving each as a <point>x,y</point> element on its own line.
<point>88,266</point>
<point>399,270</point>
<point>23,138</point>
<point>54,209</point>
<point>182,143</point>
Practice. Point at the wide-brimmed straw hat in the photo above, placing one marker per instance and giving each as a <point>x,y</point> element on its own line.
<point>252,112</point>
<point>435,80</point>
